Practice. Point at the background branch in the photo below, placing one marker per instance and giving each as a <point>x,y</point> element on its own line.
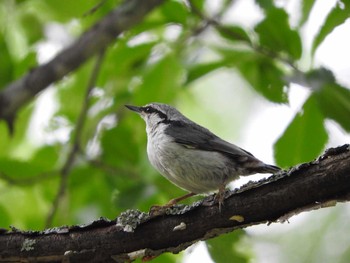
<point>320,183</point>
<point>103,33</point>
<point>30,180</point>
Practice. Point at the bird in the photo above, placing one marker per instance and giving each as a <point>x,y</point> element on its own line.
<point>192,157</point>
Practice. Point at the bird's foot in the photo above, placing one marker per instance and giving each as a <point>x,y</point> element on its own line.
<point>157,210</point>
<point>220,197</point>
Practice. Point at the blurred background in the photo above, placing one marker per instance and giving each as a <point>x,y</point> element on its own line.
<point>270,76</point>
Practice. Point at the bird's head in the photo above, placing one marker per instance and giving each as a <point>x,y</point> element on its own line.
<point>155,114</point>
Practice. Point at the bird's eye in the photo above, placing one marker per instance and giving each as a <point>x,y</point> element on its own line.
<point>149,109</point>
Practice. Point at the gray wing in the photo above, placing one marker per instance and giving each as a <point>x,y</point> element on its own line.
<point>194,136</point>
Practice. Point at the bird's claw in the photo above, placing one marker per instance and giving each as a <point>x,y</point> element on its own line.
<point>220,197</point>
<point>158,210</point>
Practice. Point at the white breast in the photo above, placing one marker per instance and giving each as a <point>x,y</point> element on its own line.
<point>194,170</point>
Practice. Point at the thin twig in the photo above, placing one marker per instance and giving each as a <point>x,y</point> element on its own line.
<point>198,29</point>
<point>30,180</point>
<point>95,8</point>
<point>76,141</point>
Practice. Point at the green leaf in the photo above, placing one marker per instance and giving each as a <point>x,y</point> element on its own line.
<point>262,74</point>
<point>85,183</point>
<point>199,4</point>
<point>25,206</point>
<point>224,248</point>
<point>161,81</point>
<point>129,195</point>
<point>334,102</point>
<point>167,258</point>
<point>6,65</point>
<point>276,35</point>
<point>333,99</point>
<point>46,157</point>
<point>175,11</point>
<point>306,7</point>
<point>197,71</point>
<point>234,33</point>
<point>304,138</point>
<point>5,220</point>
<point>265,78</point>
<point>265,4</point>
<point>32,27</point>
<point>19,169</point>
<point>16,145</point>
<point>25,64</point>
<point>71,92</point>
<point>95,11</point>
<point>115,142</point>
<point>65,10</point>
<point>337,16</point>
<point>124,60</point>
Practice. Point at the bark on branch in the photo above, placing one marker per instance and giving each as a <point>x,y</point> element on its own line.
<point>103,33</point>
<point>133,234</point>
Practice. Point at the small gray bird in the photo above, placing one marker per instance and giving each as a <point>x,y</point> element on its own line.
<point>192,157</point>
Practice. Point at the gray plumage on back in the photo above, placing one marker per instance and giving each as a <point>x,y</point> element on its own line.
<point>191,156</point>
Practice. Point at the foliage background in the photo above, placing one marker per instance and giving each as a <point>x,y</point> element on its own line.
<point>230,69</point>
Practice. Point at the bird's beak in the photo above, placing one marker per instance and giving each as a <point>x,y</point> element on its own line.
<point>134,108</point>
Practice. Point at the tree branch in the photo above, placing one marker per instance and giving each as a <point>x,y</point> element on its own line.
<point>133,234</point>
<point>103,33</point>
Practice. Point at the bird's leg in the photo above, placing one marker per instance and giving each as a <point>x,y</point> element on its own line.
<point>220,196</point>
<point>160,209</point>
<point>178,199</point>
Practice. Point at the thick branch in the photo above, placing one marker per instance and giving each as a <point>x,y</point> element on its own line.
<point>103,33</point>
<point>320,183</point>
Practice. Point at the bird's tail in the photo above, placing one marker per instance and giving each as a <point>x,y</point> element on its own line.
<point>257,166</point>
<point>268,168</point>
